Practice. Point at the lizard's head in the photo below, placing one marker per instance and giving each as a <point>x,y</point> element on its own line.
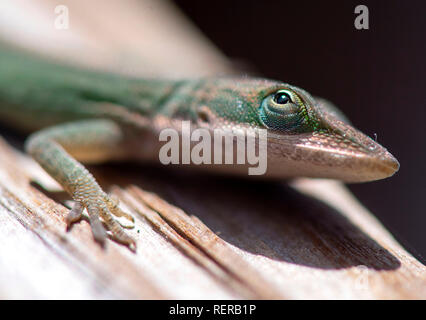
<point>306,136</point>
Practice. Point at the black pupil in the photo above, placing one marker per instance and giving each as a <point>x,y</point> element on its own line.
<point>282,98</point>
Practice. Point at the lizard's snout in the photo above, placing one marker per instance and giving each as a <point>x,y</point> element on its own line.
<point>346,156</point>
<point>354,156</point>
<point>390,164</point>
<point>381,165</point>
<point>361,158</point>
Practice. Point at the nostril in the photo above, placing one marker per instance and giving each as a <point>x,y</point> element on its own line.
<point>393,163</point>
<point>389,163</point>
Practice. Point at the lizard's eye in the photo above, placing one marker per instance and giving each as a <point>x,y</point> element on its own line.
<point>282,110</point>
<point>282,97</point>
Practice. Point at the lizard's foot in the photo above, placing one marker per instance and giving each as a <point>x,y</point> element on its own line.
<point>103,207</point>
<point>101,138</point>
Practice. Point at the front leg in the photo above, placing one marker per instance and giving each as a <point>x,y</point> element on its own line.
<point>57,150</point>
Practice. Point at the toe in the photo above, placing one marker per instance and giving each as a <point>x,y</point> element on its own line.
<point>98,230</point>
<point>74,214</point>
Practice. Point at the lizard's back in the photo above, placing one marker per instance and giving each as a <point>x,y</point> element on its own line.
<point>35,93</point>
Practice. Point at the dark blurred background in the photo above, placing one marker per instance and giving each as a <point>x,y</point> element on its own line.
<point>376,76</point>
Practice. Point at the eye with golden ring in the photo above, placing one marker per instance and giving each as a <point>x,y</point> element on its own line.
<point>281,110</point>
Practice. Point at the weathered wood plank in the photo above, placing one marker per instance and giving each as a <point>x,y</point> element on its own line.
<point>120,272</point>
<point>240,239</point>
<point>198,236</point>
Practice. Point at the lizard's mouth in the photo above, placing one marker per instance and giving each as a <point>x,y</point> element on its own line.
<point>341,152</point>
<point>350,159</point>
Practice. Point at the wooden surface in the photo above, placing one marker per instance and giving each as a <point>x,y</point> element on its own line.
<point>198,236</point>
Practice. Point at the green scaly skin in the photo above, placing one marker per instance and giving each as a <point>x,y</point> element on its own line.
<point>84,116</point>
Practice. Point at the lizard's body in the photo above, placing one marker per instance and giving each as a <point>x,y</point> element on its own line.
<point>93,117</point>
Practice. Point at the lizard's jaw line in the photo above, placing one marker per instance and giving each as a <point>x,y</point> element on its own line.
<point>314,156</point>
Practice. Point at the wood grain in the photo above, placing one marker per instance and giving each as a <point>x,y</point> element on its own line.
<point>198,237</point>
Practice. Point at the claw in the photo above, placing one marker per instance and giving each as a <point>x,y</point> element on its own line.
<point>102,211</point>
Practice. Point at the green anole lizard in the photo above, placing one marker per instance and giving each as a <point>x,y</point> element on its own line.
<point>78,116</point>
